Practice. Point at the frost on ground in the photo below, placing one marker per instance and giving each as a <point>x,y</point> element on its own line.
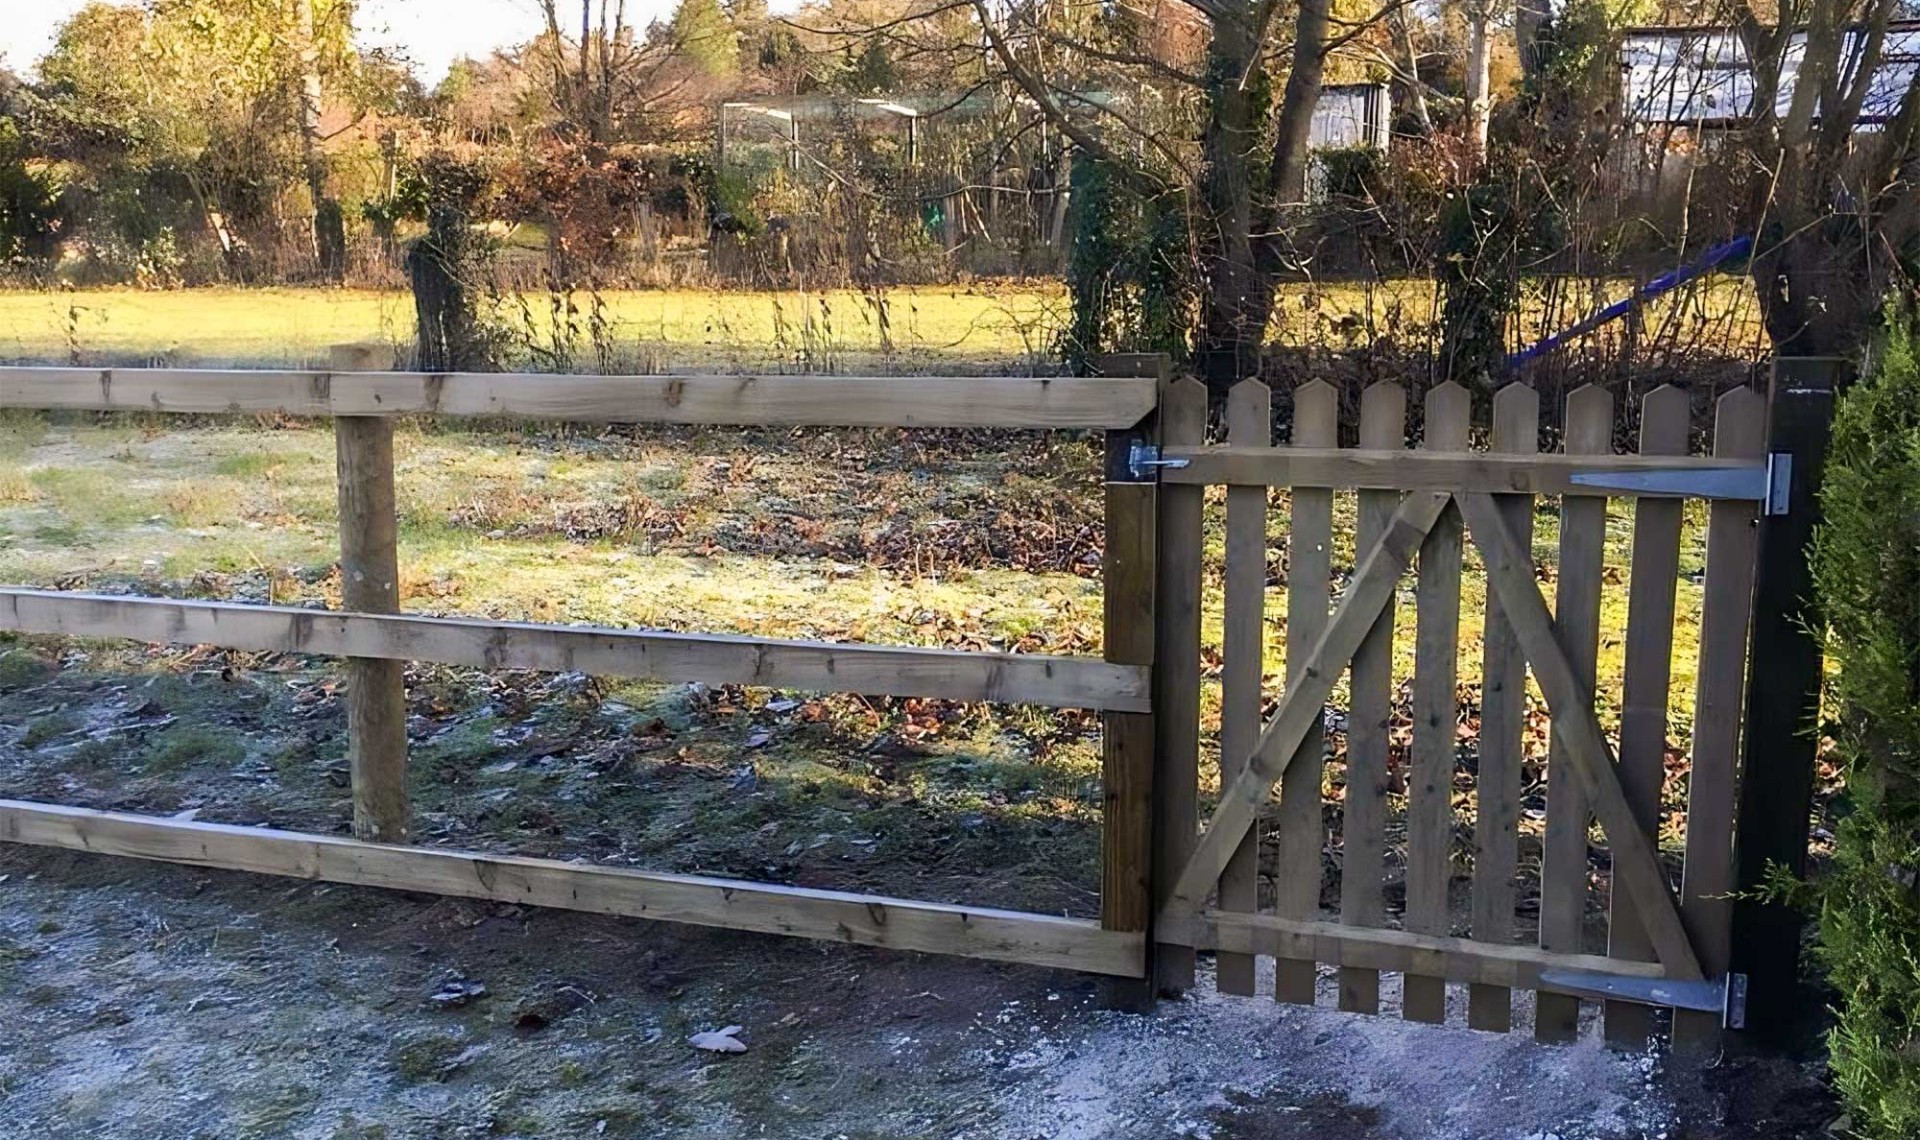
<point>164,1003</point>
<point>1217,1067</point>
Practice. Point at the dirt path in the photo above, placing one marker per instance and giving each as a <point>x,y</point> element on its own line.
<point>166,1003</point>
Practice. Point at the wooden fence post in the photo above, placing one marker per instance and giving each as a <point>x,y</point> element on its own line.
<point>1127,762</point>
<point>1783,704</point>
<point>1177,668</point>
<point>370,583</point>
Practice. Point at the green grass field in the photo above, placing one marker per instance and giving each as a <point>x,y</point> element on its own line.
<point>973,327</point>
<point>652,329</point>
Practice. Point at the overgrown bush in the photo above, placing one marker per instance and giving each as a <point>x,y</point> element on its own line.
<point>1130,269</point>
<point>1867,566</point>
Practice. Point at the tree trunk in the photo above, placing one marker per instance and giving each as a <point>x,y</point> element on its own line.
<point>1416,91</point>
<point>1479,98</point>
<point>1290,144</point>
<point>1247,210</point>
<point>1236,301</point>
<point>449,334</point>
<point>329,223</point>
<point>1529,19</point>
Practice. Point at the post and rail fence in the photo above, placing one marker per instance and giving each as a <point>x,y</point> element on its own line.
<point>1381,787</point>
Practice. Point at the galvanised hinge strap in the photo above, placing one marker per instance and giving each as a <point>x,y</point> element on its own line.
<point>1745,482</point>
<point>1143,461</point>
<point>1779,482</point>
<point>1725,996</point>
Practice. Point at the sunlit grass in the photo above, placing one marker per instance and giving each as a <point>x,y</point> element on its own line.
<point>978,326</point>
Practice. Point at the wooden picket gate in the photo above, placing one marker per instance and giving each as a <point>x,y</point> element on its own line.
<point>1165,880</point>
<point>1414,510</point>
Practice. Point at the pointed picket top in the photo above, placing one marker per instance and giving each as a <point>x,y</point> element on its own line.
<point>1449,414</point>
<point>1666,420</point>
<point>1316,414</point>
<point>1740,424</point>
<point>1250,414</point>
<point>1589,421</point>
<point>1383,417</point>
<point>1516,419</point>
<point>1183,412</point>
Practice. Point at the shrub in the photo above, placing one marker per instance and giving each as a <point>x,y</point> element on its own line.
<point>1867,568</point>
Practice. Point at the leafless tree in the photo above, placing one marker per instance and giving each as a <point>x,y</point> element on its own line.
<point>1831,190</point>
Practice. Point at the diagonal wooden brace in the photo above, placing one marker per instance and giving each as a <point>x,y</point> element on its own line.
<point>1371,591</point>
<point>1635,861</point>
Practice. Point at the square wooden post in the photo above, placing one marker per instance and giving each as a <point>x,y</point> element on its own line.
<point>1783,707</point>
<point>1127,761</point>
<point>370,583</point>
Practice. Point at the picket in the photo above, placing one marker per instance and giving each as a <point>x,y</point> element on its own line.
<point>1435,713</point>
<point>1643,714</point>
<point>1302,826</point>
<point>1503,700</point>
<point>1576,610</point>
<point>1383,425</point>
<point>1242,650</point>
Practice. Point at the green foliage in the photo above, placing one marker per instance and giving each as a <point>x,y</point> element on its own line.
<point>706,37</point>
<point>1129,270</point>
<point>1481,234</point>
<point>733,200</point>
<point>1352,171</point>
<point>871,72</point>
<point>1867,568</point>
<point>29,198</point>
<point>190,110</point>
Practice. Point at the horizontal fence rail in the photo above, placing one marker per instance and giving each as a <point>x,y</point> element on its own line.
<point>832,916</point>
<point>1641,476</point>
<point>363,398</point>
<point>872,670</point>
<point>785,401</point>
<point>1405,951</point>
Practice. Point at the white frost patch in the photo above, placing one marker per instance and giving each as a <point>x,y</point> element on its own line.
<point>1207,1058</point>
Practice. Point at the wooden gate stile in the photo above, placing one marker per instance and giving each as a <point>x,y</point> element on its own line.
<point>1176,673</point>
<point>1301,823</point>
<point>1664,949</point>
<point>1503,706</point>
<point>1726,617</point>
<point>1243,657</point>
<point>1383,427</point>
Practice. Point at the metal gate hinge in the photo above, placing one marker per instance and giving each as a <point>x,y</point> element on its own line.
<point>1747,482</point>
<point>1144,458</point>
<point>1779,482</point>
<point>1726,996</point>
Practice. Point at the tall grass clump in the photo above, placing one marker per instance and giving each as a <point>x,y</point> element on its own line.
<point>1867,574</point>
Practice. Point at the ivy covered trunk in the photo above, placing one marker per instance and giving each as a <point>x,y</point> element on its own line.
<point>1867,568</point>
<point>438,268</point>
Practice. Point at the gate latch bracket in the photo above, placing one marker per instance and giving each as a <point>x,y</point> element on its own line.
<point>1144,459</point>
<point>1726,996</point>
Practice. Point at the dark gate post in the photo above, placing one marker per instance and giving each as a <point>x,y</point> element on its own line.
<point>1783,704</point>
